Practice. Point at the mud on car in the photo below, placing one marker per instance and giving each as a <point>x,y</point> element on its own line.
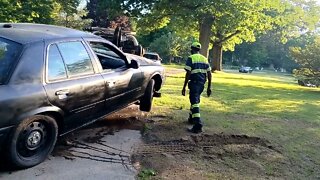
<point>54,80</point>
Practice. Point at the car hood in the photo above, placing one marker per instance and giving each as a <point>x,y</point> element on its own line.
<point>142,60</point>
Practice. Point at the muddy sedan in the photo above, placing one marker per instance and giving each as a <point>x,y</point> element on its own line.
<point>54,80</point>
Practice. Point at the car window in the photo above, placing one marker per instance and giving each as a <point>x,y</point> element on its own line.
<point>102,48</point>
<point>56,68</point>
<point>76,58</point>
<point>108,58</point>
<point>151,56</point>
<point>9,52</point>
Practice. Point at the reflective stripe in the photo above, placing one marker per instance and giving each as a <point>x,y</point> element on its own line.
<point>187,68</point>
<point>198,71</point>
<point>209,68</point>
<point>195,105</point>
<point>196,115</point>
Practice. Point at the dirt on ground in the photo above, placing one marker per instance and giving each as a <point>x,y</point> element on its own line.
<point>129,118</point>
<point>173,153</point>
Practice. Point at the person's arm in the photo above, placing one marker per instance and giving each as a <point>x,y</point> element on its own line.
<point>209,75</point>
<point>186,80</point>
<point>209,83</point>
<point>188,69</point>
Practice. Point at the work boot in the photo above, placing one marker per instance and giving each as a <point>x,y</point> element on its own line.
<point>197,128</point>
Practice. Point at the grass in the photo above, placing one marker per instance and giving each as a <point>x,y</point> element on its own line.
<point>267,105</point>
<point>146,174</point>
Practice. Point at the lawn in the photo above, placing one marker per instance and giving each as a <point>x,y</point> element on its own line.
<point>266,105</point>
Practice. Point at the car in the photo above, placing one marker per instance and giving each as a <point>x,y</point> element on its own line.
<point>153,56</point>
<point>54,80</point>
<point>245,69</point>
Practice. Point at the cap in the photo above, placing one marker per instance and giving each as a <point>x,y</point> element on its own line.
<point>196,45</point>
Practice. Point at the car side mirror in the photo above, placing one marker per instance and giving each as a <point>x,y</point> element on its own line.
<point>134,64</point>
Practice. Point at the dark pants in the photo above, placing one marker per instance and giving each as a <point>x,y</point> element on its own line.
<point>196,89</point>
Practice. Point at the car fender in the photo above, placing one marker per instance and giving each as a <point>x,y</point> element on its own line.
<point>42,110</point>
<point>155,74</point>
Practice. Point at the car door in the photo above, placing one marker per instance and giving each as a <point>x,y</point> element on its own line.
<point>72,83</point>
<point>123,83</point>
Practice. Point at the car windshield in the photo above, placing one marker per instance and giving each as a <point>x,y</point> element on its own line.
<point>151,56</point>
<point>9,52</point>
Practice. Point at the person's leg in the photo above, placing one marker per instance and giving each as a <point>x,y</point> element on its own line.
<point>190,121</point>
<point>191,99</point>
<point>195,92</point>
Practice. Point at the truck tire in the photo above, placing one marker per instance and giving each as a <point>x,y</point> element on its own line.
<point>117,37</point>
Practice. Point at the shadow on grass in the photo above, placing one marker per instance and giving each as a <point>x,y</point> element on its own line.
<point>270,101</point>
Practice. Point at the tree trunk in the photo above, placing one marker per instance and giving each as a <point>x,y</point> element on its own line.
<point>205,34</point>
<point>217,57</point>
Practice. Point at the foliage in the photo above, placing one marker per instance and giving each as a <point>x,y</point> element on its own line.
<point>35,11</point>
<point>236,21</point>
<point>69,6</point>
<point>169,45</point>
<point>146,174</point>
<point>111,13</point>
<point>267,51</point>
<point>72,20</point>
<point>147,39</point>
<point>309,60</point>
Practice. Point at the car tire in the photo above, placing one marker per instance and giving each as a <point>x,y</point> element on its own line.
<point>146,100</point>
<point>32,141</point>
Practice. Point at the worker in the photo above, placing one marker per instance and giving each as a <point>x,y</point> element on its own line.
<point>197,71</point>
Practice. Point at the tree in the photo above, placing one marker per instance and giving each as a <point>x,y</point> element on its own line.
<point>242,21</point>
<point>73,20</point>
<point>169,45</point>
<point>34,11</point>
<point>111,13</point>
<point>291,27</point>
<point>68,13</point>
<point>308,59</point>
<point>227,22</point>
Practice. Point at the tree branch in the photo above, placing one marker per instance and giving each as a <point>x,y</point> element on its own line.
<point>228,37</point>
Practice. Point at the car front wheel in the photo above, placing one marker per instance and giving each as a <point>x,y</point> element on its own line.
<point>146,100</point>
<point>32,141</point>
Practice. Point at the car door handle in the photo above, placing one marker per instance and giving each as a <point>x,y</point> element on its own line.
<point>63,92</point>
<point>111,83</point>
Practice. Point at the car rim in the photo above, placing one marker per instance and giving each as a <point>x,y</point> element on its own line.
<point>33,139</point>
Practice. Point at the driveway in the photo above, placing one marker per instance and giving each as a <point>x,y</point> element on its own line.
<point>100,151</point>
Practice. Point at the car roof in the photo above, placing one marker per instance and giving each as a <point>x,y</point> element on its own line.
<point>24,33</point>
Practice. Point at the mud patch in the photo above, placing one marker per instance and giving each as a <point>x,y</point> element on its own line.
<point>171,151</point>
<point>217,144</point>
<point>88,143</point>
